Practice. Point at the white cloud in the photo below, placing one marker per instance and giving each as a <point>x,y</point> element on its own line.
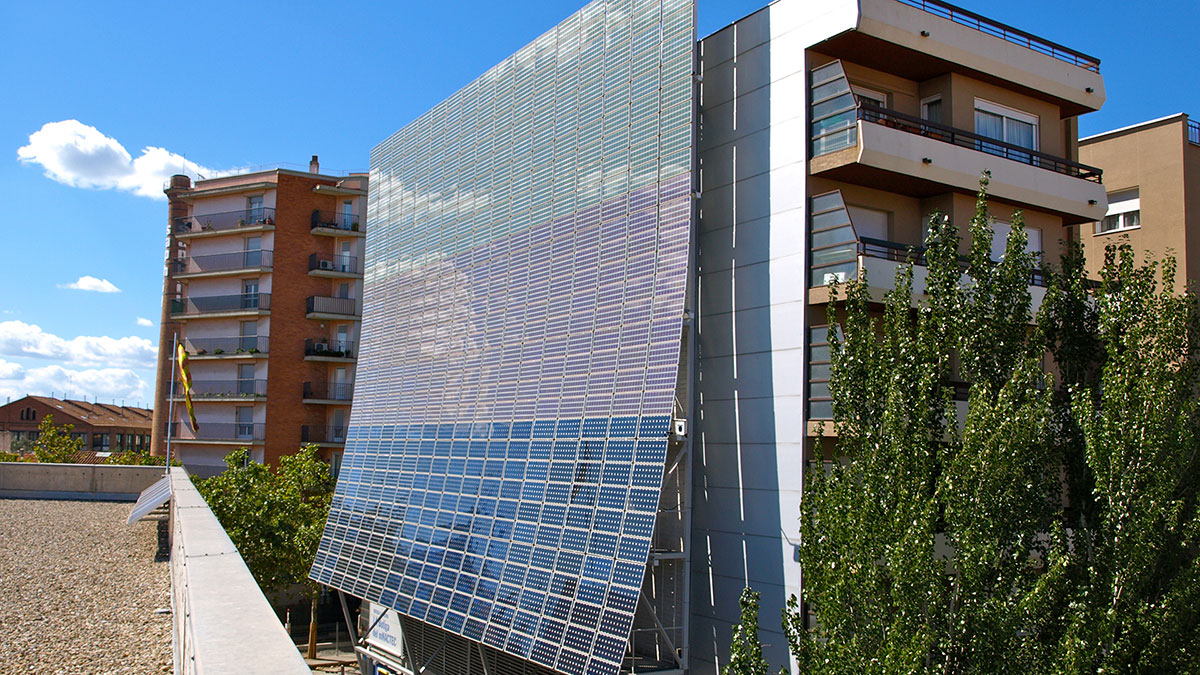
<point>143,321</point>
<point>86,283</point>
<point>79,155</point>
<point>21,339</point>
<point>105,383</point>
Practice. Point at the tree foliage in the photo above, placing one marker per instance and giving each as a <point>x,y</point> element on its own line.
<point>275,518</point>
<point>54,444</point>
<point>746,652</point>
<point>1053,526</point>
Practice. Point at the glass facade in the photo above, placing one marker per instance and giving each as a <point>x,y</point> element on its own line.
<point>527,263</point>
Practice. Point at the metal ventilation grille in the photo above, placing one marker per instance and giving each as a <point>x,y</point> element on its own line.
<point>527,265</point>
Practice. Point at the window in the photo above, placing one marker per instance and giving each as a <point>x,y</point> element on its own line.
<point>249,336</point>
<point>870,96</point>
<point>1001,123</point>
<point>1000,230</point>
<point>1124,212</point>
<point>870,223</point>
<point>931,109</point>
<point>246,379</point>
<point>254,209</point>
<point>249,293</point>
<point>253,252</point>
<point>100,442</point>
<point>245,423</point>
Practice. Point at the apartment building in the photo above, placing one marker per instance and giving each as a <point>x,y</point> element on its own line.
<point>1152,174</point>
<point>595,434</point>
<point>102,427</point>
<point>263,288</point>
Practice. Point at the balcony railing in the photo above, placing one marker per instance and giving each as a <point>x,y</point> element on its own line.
<point>342,391</point>
<point>318,434</point>
<point>243,344</point>
<point>221,262</point>
<point>208,304</point>
<point>1007,33</point>
<point>326,305</point>
<point>333,220</point>
<point>208,389</point>
<point>940,132</point>
<point>896,252</point>
<point>229,220</point>
<point>1193,132</point>
<point>217,431</point>
<point>334,263</point>
<point>326,347</point>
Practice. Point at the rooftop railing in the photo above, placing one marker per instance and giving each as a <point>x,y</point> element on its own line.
<point>966,139</point>
<point>1193,132</point>
<point>1007,33</point>
<point>334,263</point>
<point>334,220</point>
<point>229,220</point>
<point>241,344</point>
<point>209,304</point>
<point>326,305</point>
<point>340,391</point>
<point>327,347</point>
<point>222,262</point>
<point>207,389</point>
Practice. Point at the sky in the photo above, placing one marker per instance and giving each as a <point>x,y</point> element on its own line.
<point>103,101</point>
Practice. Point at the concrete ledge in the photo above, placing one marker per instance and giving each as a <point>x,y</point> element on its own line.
<point>101,482</point>
<point>222,621</point>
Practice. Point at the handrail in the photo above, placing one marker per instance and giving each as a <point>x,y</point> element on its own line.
<point>222,262</point>
<point>1005,32</point>
<point>328,305</point>
<point>227,220</point>
<point>966,139</point>
<point>1193,131</point>
<point>223,388</point>
<point>345,264</point>
<point>217,431</point>
<point>327,347</point>
<point>204,304</point>
<point>323,434</point>
<point>236,344</point>
<point>337,391</point>
<point>897,252</point>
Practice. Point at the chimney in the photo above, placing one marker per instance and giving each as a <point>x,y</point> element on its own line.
<point>313,166</point>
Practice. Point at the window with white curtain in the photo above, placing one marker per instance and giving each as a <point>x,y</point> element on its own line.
<point>1000,230</point>
<point>1124,212</point>
<point>1002,123</point>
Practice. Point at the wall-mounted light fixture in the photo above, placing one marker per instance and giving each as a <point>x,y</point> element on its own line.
<point>924,33</point>
<point>926,160</point>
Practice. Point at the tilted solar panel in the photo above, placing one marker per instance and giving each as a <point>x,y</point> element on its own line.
<point>527,260</point>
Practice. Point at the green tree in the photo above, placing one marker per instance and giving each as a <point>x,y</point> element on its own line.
<point>1023,536</point>
<point>275,518</point>
<point>746,652</point>
<point>54,444</point>
<point>135,458</point>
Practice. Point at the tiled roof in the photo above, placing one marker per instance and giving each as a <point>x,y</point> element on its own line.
<point>99,414</point>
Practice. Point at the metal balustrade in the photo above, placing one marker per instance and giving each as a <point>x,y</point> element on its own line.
<point>222,262</point>
<point>334,263</point>
<point>327,347</point>
<point>216,389</point>
<point>322,434</point>
<point>332,220</point>
<point>228,220</point>
<point>208,304</point>
<point>326,305</point>
<point>339,391</point>
<point>243,344</point>
<point>217,431</point>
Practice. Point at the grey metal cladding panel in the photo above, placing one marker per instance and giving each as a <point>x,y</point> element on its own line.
<point>527,260</point>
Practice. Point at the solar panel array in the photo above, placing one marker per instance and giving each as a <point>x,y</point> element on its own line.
<point>527,257</point>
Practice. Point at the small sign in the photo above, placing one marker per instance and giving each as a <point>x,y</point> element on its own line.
<point>386,633</point>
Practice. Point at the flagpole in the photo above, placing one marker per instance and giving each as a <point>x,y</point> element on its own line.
<point>171,399</point>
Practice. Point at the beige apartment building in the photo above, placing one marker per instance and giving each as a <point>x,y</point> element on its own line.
<point>263,288</point>
<point>1152,175</point>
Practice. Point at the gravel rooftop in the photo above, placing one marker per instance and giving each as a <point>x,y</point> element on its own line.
<point>79,590</point>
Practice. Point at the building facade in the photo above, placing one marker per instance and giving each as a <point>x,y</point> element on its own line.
<point>1152,174</point>
<point>103,428</point>
<point>263,288</point>
<point>518,489</point>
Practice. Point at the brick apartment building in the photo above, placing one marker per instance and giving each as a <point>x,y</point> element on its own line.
<point>263,287</point>
<point>101,427</point>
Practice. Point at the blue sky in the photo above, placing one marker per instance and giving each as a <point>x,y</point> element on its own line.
<point>235,84</point>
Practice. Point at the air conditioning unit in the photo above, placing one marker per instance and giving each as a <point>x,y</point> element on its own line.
<point>326,265</point>
<point>321,347</point>
<point>679,429</point>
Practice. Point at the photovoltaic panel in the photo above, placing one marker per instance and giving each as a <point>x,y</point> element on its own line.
<point>527,260</point>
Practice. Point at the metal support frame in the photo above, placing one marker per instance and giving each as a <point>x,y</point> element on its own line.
<point>661,630</point>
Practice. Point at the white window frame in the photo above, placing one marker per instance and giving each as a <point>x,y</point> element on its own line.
<point>925,108</point>
<point>1120,203</point>
<point>1012,113</point>
<point>874,95</point>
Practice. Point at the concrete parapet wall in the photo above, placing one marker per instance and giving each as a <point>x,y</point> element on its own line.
<point>222,621</point>
<point>29,480</point>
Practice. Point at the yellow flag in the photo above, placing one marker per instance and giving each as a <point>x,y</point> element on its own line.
<point>185,378</point>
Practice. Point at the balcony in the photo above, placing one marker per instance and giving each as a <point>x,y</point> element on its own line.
<point>217,433</point>
<point>221,223</point>
<point>331,435</point>
<point>224,390</point>
<point>889,149</point>
<point>323,349</point>
<point>322,392</point>
<point>337,266</point>
<point>238,347</point>
<point>323,307</point>
<point>220,264</point>
<point>838,254</point>
<point>206,306</point>
<point>333,224</point>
